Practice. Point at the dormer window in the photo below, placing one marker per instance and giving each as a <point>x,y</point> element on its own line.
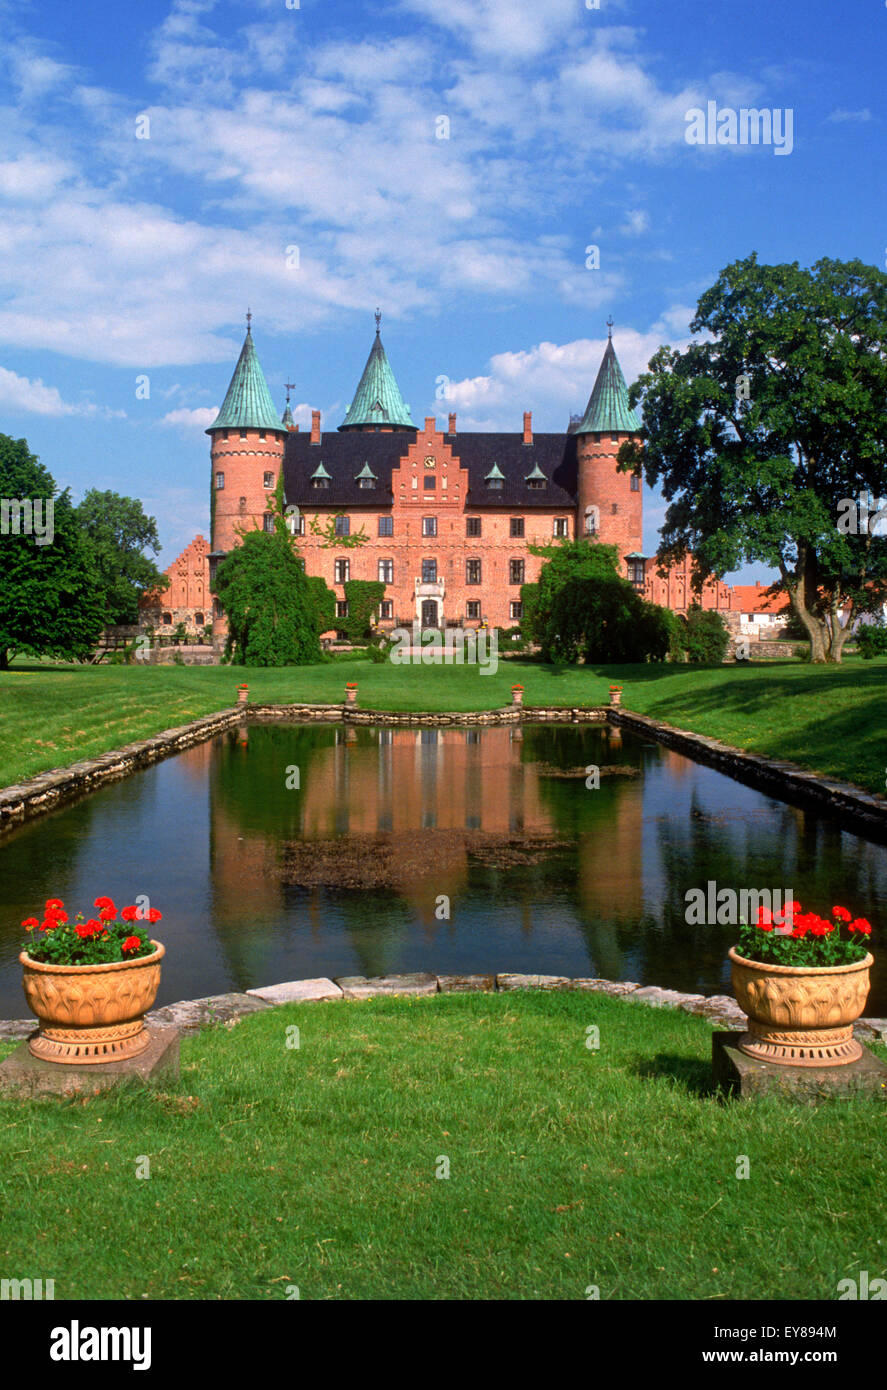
<point>320,477</point>
<point>495,479</point>
<point>366,478</point>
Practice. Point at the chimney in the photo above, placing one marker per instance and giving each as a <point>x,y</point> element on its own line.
<point>430,424</point>
<point>528,427</point>
<point>452,429</point>
<point>315,427</point>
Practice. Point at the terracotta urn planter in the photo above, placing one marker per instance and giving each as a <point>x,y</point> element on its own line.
<point>615,695</point>
<point>242,694</point>
<point>91,1013</point>
<point>351,694</point>
<point>800,1016</point>
<point>517,694</point>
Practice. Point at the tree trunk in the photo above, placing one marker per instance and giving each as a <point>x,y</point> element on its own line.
<point>4,659</point>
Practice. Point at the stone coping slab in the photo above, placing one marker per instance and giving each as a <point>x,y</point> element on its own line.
<point>297,991</point>
<point>191,1015</point>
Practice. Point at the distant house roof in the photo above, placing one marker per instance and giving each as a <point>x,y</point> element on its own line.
<point>247,403</point>
<point>752,598</point>
<point>608,411</point>
<point>345,454</point>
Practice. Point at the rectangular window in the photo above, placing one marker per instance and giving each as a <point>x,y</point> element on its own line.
<point>472,572</point>
<point>386,525</point>
<point>261,434</point>
<point>635,483</point>
<point>297,524</point>
<point>517,526</point>
<point>615,508</point>
<point>243,434</point>
<point>517,610</point>
<point>472,526</point>
<point>430,483</point>
<point>472,609</point>
<point>614,439</point>
<point>429,571</point>
<point>516,571</point>
<point>269,479</point>
<point>220,481</point>
<point>386,610</point>
<point>429,526</point>
<point>561,526</point>
<point>341,608</point>
<point>343,526</point>
<point>342,571</point>
<point>386,571</point>
<point>268,522</point>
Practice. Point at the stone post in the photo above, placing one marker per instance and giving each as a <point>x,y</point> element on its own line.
<point>242,694</point>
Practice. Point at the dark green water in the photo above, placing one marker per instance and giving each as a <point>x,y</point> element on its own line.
<point>261,882</point>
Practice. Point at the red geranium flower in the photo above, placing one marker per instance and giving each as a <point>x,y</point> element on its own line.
<point>765,919</point>
<point>861,925</point>
<point>820,927</point>
<point>801,926</point>
<point>130,914</point>
<point>30,923</point>
<point>52,904</point>
<point>132,943</point>
<point>108,914</point>
<point>154,915</point>
<point>841,913</point>
<point>104,902</point>
<point>49,924</point>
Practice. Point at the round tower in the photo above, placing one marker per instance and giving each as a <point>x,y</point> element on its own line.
<point>609,503</point>
<point>247,441</point>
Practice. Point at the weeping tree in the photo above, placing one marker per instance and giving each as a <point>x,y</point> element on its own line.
<point>769,437</point>
<point>267,598</point>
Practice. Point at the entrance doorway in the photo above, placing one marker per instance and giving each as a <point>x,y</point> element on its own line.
<point>429,612</point>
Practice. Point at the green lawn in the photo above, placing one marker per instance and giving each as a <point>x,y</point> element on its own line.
<point>829,719</point>
<point>569,1167</point>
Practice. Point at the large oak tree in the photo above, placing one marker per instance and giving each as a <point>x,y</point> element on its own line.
<point>765,434</point>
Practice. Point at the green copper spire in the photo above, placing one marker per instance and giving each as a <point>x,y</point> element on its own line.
<point>248,404</point>
<point>608,411</point>
<point>377,400</point>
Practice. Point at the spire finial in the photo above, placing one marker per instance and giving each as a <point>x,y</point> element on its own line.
<point>290,386</point>
<point>249,319</point>
<point>610,326</point>
<point>378,320</point>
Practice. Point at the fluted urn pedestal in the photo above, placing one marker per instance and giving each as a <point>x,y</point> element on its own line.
<point>800,1016</point>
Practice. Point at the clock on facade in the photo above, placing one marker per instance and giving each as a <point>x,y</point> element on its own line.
<point>429,462</point>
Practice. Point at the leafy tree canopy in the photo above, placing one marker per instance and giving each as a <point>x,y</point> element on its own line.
<point>49,603</point>
<point>264,591</point>
<point>118,532</point>
<point>761,434</point>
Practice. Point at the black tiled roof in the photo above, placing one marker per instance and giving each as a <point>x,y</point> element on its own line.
<point>344,455</point>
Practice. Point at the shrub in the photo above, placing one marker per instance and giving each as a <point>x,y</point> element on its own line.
<point>871,638</point>
<point>706,638</point>
<point>363,597</point>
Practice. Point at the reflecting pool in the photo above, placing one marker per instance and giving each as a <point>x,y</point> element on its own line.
<point>283,851</point>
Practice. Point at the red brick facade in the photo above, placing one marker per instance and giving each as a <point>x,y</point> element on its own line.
<point>187,600</point>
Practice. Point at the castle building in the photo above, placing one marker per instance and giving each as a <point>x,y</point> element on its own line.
<point>448,516</point>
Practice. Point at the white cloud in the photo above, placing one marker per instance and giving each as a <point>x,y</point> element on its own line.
<point>636,223</point>
<point>843,115</point>
<point>21,393</point>
<point>554,380</point>
<point>199,419</point>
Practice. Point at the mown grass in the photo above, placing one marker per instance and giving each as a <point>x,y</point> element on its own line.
<point>568,1167</point>
<point>829,719</point>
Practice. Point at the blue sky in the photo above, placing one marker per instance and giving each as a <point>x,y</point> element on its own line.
<point>319,127</point>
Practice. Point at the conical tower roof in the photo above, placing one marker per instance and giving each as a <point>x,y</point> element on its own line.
<point>377,400</point>
<point>608,411</point>
<point>247,404</point>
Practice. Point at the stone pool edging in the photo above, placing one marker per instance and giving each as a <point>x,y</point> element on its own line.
<point>773,775</point>
<point>226,1010</point>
